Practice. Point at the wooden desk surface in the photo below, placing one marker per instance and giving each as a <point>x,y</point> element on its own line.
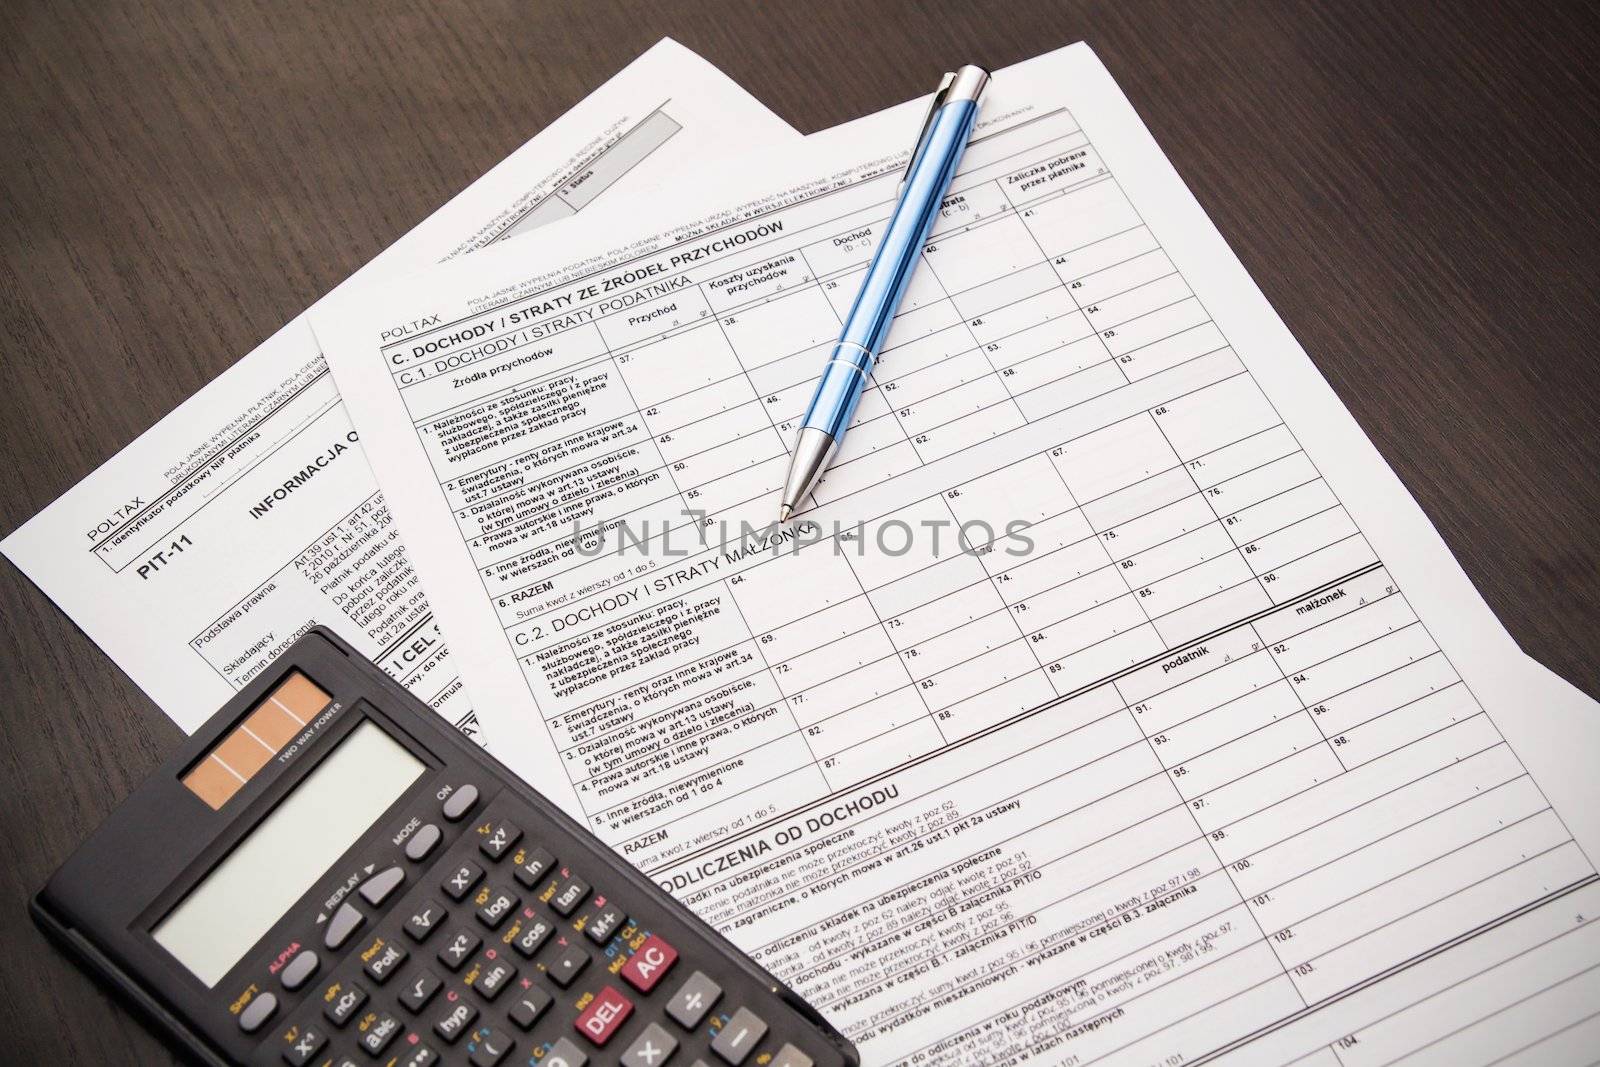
<point>1414,190</point>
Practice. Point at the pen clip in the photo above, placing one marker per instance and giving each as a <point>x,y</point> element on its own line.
<point>937,102</point>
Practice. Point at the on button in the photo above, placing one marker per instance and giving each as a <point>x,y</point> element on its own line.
<point>460,802</point>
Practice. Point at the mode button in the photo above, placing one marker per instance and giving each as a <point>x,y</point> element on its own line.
<point>422,842</point>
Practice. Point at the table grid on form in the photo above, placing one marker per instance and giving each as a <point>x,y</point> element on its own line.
<point>1202,664</point>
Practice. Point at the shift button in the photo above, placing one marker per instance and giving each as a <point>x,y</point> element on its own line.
<point>257,1012</point>
<point>460,802</point>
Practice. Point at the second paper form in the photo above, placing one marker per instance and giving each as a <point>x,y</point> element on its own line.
<point>1203,767</point>
<point>204,548</point>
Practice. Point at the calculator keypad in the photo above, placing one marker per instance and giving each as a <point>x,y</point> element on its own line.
<point>302,1043</point>
<point>604,1016</point>
<point>693,1000</point>
<point>531,865</point>
<point>458,948</point>
<point>490,977</point>
<point>342,1001</point>
<point>570,892</point>
<point>530,1004</point>
<point>461,880</point>
<point>375,1030</point>
<point>377,888</point>
<point>653,1047</point>
<point>419,988</point>
<point>382,958</point>
<point>499,838</point>
<point>494,905</point>
<point>489,945</point>
<point>568,963</point>
<point>424,920</point>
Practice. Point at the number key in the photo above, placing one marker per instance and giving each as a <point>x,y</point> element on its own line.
<point>564,1054</point>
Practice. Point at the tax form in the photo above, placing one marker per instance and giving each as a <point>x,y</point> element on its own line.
<point>1217,753</point>
<point>249,514</point>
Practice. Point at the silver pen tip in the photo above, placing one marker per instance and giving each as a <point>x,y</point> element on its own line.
<point>783,512</point>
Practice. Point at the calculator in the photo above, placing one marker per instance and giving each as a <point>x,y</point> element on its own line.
<point>329,875</point>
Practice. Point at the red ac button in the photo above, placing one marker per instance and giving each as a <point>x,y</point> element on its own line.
<point>650,964</point>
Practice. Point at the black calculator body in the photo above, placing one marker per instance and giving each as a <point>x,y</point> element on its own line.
<point>328,874</point>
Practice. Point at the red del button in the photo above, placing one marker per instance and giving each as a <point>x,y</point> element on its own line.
<point>647,966</point>
<point>609,1010</point>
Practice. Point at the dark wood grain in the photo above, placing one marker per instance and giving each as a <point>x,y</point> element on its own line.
<point>1414,187</point>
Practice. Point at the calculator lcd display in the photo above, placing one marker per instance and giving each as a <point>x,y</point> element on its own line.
<point>233,906</point>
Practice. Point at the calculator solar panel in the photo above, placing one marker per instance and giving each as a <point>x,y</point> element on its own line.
<point>329,875</point>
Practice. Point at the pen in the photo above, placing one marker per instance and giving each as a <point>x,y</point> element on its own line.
<point>943,138</point>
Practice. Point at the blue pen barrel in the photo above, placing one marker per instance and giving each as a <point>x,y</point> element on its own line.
<point>894,260</point>
<point>833,405</point>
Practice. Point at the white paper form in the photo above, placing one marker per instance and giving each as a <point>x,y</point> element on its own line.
<point>249,514</point>
<point>1232,760</point>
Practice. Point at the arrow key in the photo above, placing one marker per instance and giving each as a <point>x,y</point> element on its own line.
<point>345,922</point>
<point>376,889</point>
